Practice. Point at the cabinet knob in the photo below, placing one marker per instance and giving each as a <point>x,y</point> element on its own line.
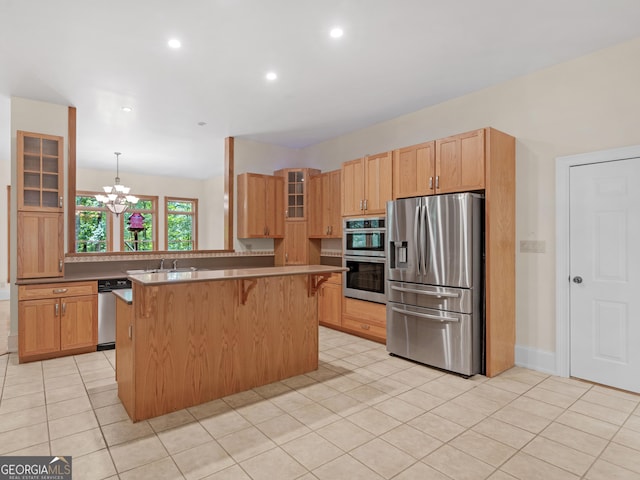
<point>430,183</point>
<point>437,181</point>
<point>361,205</point>
<point>56,309</point>
<point>130,331</point>
<point>64,309</point>
<point>60,263</point>
<point>364,326</point>
<point>365,203</point>
<point>60,200</point>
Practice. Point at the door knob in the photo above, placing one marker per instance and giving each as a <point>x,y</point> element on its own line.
<point>577,279</point>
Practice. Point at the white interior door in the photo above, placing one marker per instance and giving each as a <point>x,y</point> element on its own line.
<point>605,273</point>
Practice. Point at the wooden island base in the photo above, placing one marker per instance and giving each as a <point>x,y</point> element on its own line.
<point>180,344</point>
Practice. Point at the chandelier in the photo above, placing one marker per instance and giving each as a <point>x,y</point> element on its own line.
<point>116,197</point>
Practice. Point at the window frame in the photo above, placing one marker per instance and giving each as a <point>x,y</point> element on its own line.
<point>154,223</point>
<point>109,221</point>
<point>194,222</point>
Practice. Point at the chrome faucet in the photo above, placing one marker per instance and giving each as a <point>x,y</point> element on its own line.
<point>175,264</point>
<point>162,264</point>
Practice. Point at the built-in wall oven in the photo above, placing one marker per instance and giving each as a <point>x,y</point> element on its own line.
<point>365,257</point>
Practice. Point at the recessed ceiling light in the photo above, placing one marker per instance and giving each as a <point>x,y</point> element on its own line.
<point>174,43</point>
<point>336,32</point>
<point>127,109</point>
<point>271,76</point>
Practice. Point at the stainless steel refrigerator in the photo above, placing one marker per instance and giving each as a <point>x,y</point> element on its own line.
<point>435,294</point>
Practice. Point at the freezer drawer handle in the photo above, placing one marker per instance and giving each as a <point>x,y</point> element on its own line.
<point>424,315</point>
<point>422,292</point>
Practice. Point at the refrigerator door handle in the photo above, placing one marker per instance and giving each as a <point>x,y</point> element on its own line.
<point>422,292</point>
<point>426,316</point>
<point>416,241</point>
<point>423,238</point>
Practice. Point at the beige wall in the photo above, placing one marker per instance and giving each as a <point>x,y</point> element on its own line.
<point>5,179</point>
<point>591,103</point>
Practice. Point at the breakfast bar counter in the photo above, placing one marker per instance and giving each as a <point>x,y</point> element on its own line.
<point>190,337</point>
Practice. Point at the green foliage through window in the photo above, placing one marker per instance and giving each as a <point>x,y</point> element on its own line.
<point>181,224</point>
<point>91,225</point>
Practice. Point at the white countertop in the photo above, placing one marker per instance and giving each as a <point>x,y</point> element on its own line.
<point>232,274</point>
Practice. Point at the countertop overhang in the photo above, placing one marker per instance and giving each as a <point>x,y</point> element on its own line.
<point>163,278</point>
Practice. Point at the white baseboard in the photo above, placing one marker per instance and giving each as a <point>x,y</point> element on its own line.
<point>535,359</point>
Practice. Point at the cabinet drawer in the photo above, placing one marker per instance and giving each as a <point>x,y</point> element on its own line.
<point>56,290</point>
<point>372,313</point>
<point>365,327</point>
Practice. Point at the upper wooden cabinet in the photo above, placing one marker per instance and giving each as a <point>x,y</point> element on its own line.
<point>40,172</point>
<point>325,220</point>
<point>295,192</point>
<point>40,245</point>
<point>260,206</point>
<point>367,184</point>
<point>460,162</point>
<point>414,170</point>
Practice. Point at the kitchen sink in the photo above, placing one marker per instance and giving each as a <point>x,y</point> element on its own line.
<point>162,270</point>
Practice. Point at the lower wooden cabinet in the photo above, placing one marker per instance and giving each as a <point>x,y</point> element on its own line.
<point>330,302</point>
<point>57,319</point>
<point>367,319</point>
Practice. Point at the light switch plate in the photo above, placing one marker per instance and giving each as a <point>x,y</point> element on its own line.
<point>533,246</point>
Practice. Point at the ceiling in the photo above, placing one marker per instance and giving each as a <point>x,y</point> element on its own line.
<point>396,57</point>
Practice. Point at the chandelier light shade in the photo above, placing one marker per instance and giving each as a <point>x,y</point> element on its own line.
<point>116,197</point>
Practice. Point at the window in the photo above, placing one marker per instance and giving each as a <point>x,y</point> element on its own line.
<point>93,232</point>
<point>140,232</point>
<point>181,216</point>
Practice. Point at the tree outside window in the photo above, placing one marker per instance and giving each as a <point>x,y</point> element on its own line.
<point>181,223</point>
<point>92,224</point>
<point>135,239</point>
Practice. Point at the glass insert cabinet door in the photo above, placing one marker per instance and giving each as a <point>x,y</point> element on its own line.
<point>40,174</point>
<point>295,192</point>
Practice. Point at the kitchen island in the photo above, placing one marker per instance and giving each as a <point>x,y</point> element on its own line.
<point>185,338</point>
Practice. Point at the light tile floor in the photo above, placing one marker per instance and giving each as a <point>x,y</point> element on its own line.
<point>361,415</point>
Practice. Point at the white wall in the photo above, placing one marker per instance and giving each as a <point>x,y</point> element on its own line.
<point>211,211</point>
<point>591,103</point>
<point>5,180</point>
<point>208,192</point>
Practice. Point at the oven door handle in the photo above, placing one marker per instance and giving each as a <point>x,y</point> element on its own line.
<point>365,259</point>
<point>423,292</point>
<point>426,316</point>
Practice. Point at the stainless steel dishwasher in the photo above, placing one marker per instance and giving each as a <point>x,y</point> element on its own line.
<point>107,311</point>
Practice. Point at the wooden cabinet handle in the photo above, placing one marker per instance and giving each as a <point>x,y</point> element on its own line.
<point>365,326</point>
<point>60,290</point>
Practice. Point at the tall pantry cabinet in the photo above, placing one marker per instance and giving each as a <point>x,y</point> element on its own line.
<point>40,245</point>
<point>295,248</point>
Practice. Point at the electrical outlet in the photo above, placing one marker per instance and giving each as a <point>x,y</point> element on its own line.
<point>248,246</point>
<point>533,246</point>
